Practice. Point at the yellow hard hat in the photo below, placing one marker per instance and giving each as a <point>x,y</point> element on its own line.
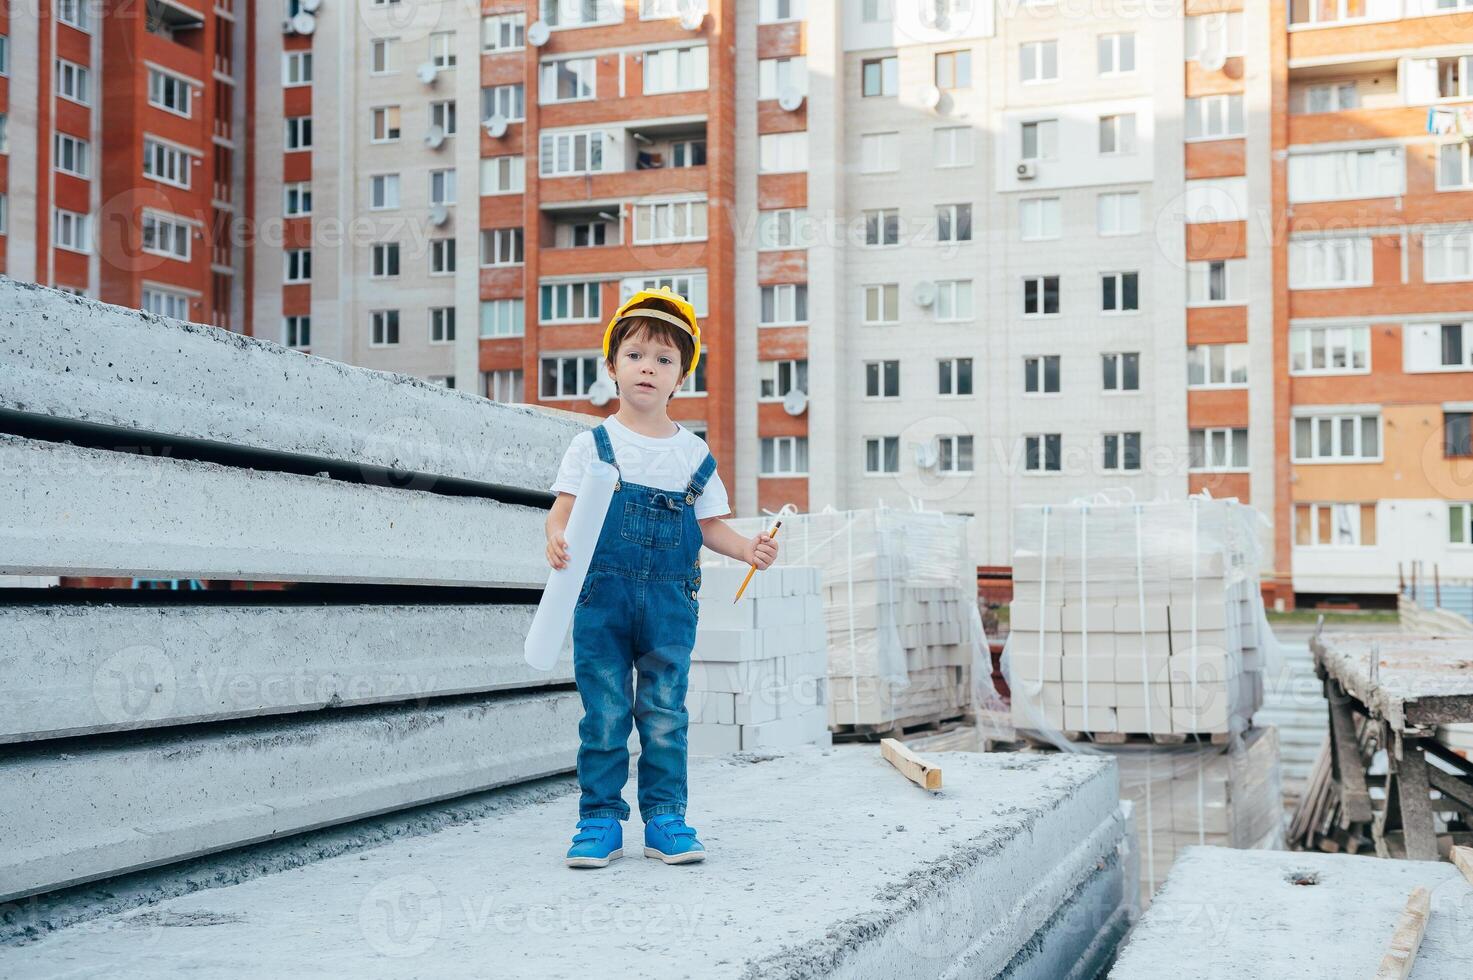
<point>686,321</point>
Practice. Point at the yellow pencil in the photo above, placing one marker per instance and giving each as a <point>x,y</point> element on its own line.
<point>771,534</point>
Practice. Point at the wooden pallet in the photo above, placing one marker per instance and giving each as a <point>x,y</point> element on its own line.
<point>1128,738</point>
<point>928,724</point>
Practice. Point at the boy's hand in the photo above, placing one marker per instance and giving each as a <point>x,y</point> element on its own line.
<point>557,550</point>
<point>761,551</point>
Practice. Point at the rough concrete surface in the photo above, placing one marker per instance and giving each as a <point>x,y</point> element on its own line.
<point>68,357</point>
<point>75,670</point>
<point>1421,680</point>
<point>1243,915</point>
<point>824,862</point>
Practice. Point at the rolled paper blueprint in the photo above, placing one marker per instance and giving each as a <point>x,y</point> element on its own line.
<point>555,611</point>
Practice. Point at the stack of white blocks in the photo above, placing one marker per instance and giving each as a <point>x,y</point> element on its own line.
<point>759,672</point>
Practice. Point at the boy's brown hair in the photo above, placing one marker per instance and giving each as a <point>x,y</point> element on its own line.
<point>659,330</point>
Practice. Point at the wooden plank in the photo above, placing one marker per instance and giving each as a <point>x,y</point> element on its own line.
<point>910,765</point>
<point>1416,802</point>
<point>1349,769</point>
<point>1410,925</point>
<point>1463,860</point>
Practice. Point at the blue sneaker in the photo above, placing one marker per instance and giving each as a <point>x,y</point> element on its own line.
<point>598,841</point>
<point>668,838</point>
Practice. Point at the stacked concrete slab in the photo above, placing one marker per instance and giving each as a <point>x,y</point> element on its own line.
<point>1136,620</point>
<point>759,671</point>
<point>147,448</point>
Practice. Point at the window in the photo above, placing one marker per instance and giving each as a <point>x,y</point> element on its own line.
<point>564,154</point>
<point>1121,372</point>
<point>658,9</point>
<point>1041,375</point>
<point>4,213</point>
<point>1115,54</point>
<point>581,13</point>
<point>1038,61</point>
<point>298,265</point>
<point>784,305</point>
<point>692,286</point>
<point>296,331</point>
<point>882,303</point>
<point>688,153</point>
<point>385,124</point>
<point>296,68</point>
<point>569,80</point>
<point>73,82</point>
<point>382,60</point>
<point>73,155</point>
<point>442,256</point>
<point>166,164</point>
<point>882,379</point>
<point>569,302</point>
<point>385,260</point>
<point>442,325</point>
<point>1120,292</point>
<point>442,49</point>
<point>954,454</point>
<point>951,146</point>
<point>1330,350</point>
<point>1457,434</point>
<point>1217,449</point>
<point>583,234</point>
<point>442,186</point>
<point>504,386</point>
<point>1453,170</point>
<point>1455,347</point>
<point>1217,365</point>
<point>1121,452</point>
<point>695,382</point>
<point>678,221</point>
<point>501,246</point>
<point>953,222</point>
<point>1447,256</point>
<point>4,133</point>
<point>568,376</point>
<point>1040,139</point>
<point>1334,525</point>
<point>954,69</point>
<point>298,133</point>
<point>298,199</point>
<point>776,74</point>
<point>169,92</point>
<point>879,153</point>
<point>503,32</point>
<point>675,70</point>
<point>1215,283</point>
<point>776,378</point>
<point>503,175</point>
<point>503,318</point>
<point>1041,296</point>
<point>1460,523</point>
<point>1211,37</point>
<point>1118,213</point>
<point>507,101</point>
<point>782,152</point>
<point>953,300</point>
<point>1337,438</point>
<point>1346,174</point>
<point>784,456</point>
<point>1043,453</point>
<point>1213,117</point>
<point>383,328</point>
<point>881,455</point>
<point>383,192</point>
<point>783,228</point>
<point>1330,97</point>
<point>165,302</point>
<point>1039,218</point>
<point>773,11</point>
<point>882,227</point>
<point>442,114</point>
<point>1117,133</point>
<point>4,55</point>
<point>1329,263</point>
<point>166,236</point>
<point>879,76</point>
<point>74,13</point>
<point>954,376</point>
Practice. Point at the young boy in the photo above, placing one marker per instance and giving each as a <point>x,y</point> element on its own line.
<point>637,609</point>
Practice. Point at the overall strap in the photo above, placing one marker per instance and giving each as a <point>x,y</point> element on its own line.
<point>605,448</point>
<point>703,473</point>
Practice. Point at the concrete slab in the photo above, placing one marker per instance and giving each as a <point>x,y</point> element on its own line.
<point>78,670</point>
<point>823,863</point>
<point>67,357</point>
<point>1232,915</point>
<point>78,810</point>
<point>1408,680</point>
<point>66,510</point>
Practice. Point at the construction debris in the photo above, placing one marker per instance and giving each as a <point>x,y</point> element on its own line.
<point>1401,953</point>
<point>911,766</point>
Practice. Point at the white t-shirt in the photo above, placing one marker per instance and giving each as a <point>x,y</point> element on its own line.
<point>666,464</point>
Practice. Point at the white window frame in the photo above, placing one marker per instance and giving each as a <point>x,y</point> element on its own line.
<point>1199,273</point>
<point>1117,129</point>
<point>955,454</point>
<point>167,164</point>
<point>172,93</point>
<point>1313,262</point>
<point>1045,139</point>
<point>782,153</point>
<point>503,318</point>
<point>784,299</point>
<point>173,236</point>
<point>1376,158</point>
<point>881,222</point>
<point>292,334</point>
<point>165,302</point>
<point>1336,100</point>
<point>1120,359</point>
<point>881,304</point>
<point>385,124</point>
<point>1117,44</point>
<point>776,74</point>
<point>1121,449</point>
<point>1040,375</point>
<point>73,82</point>
<point>382,59</point>
<point>1033,61</point>
<point>575,294</point>
<point>781,11</point>
<point>504,32</point>
<point>589,369</point>
<point>442,50</point>
<point>506,385</point>
<point>878,376</point>
<point>692,286</point>
<point>582,74</point>
<point>658,222</point>
<point>880,452</point>
<point>781,229</point>
<point>1120,279</point>
<point>879,153</point>
<point>381,325</point>
<point>383,192</point>
<point>1444,249</point>
<point>502,247</point>
<point>1221,30</point>
<point>1041,284</point>
<point>301,259</point>
<point>442,256</point>
<point>1219,437</point>
<point>950,368</point>
<point>1224,360</point>
<point>296,69</point>
<point>1214,117</point>
<point>296,199</point>
<point>954,301</point>
<point>443,114</point>
<point>676,69</point>
<point>1342,343</point>
<point>72,155</point>
<point>1036,444</point>
<point>952,146</point>
<point>385,260</point>
<point>1322,428</point>
<point>1126,206</point>
<point>1330,511</point>
<point>442,325</point>
<point>508,100</point>
<point>297,127</point>
<point>889,76</point>
<point>949,224</point>
<point>1040,219</point>
<point>505,174</point>
<point>781,377</point>
<point>1465,153</point>
<point>560,150</point>
<point>773,449</point>
<point>442,186</point>
<point>1460,516</point>
<point>71,231</point>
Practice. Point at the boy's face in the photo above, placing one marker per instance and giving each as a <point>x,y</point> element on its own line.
<point>647,369</point>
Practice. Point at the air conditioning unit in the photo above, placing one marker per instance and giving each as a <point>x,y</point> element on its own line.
<point>538,33</point>
<point>439,214</point>
<point>795,402</point>
<point>790,98</point>
<point>496,126</point>
<point>1026,169</point>
<point>924,293</point>
<point>435,138</point>
<point>427,72</point>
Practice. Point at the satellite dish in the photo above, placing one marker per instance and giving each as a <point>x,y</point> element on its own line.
<point>601,391</point>
<point>789,98</point>
<point>427,72</point>
<point>795,401</point>
<point>439,214</point>
<point>692,18</point>
<point>930,96</point>
<point>927,455</point>
<point>496,126</point>
<point>538,33</point>
<point>304,23</point>
<point>310,5</point>
<point>1212,59</point>
<point>435,138</point>
<point>925,293</point>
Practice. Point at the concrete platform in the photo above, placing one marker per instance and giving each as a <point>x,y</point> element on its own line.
<point>824,863</point>
<point>1234,915</point>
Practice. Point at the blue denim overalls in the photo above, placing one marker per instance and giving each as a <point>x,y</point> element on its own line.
<point>638,609</point>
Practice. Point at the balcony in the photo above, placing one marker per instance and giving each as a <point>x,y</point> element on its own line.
<point>638,162</point>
